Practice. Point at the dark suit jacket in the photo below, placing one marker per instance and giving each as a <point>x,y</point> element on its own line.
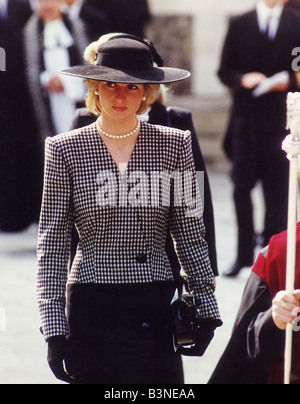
<point>95,19</point>
<point>247,50</point>
<point>18,12</point>
<point>181,119</point>
<point>16,140</point>
<point>129,16</point>
<point>294,5</point>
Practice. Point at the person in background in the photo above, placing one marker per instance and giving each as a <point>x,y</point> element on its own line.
<point>95,19</point>
<point>51,41</point>
<point>159,114</point>
<point>256,65</point>
<point>17,139</point>
<point>255,352</point>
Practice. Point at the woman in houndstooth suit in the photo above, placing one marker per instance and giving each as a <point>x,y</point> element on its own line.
<point>123,183</point>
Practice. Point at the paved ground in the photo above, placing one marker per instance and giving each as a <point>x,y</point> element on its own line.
<point>22,349</point>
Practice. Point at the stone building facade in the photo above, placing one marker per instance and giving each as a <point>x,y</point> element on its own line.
<point>190,34</point>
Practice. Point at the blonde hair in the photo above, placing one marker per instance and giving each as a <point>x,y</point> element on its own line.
<point>92,100</point>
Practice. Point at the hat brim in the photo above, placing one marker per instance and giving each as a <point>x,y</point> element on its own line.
<point>155,75</point>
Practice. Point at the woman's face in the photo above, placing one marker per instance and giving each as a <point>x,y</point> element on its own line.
<point>120,101</point>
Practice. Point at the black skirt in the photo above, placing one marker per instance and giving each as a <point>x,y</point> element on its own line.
<point>120,334</point>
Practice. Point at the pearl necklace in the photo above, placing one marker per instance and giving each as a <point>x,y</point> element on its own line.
<point>118,137</point>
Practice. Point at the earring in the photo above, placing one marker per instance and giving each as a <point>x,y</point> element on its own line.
<point>96,92</point>
<point>144,98</point>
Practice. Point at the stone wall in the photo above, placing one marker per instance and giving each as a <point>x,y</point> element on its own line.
<point>172,36</point>
<point>194,29</point>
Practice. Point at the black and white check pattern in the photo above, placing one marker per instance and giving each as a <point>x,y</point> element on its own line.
<point>118,244</point>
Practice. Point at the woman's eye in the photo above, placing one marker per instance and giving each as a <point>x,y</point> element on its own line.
<point>111,85</point>
<point>132,87</point>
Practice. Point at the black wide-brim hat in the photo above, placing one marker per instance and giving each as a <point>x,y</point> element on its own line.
<point>129,61</point>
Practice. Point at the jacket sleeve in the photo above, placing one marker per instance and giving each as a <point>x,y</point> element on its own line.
<point>54,239</point>
<point>187,230</point>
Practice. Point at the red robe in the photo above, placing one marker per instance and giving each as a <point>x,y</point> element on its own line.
<point>272,270</point>
<point>255,353</point>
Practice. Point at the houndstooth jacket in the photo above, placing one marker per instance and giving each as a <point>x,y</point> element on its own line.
<point>122,220</point>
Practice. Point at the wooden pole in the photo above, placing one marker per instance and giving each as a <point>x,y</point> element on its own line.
<point>292,147</point>
<point>291,261</point>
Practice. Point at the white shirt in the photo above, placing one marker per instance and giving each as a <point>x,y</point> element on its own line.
<point>268,16</point>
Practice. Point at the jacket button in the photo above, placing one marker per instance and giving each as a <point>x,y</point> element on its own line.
<point>141,258</point>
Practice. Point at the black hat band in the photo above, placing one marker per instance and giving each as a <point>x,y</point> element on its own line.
<point>128,60</point>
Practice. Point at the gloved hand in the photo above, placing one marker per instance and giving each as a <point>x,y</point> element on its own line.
<point>57,348</point>
<point>204,333</point>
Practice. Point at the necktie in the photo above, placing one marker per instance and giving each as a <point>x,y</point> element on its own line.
<point>272,28</point>
<point>268,28</point>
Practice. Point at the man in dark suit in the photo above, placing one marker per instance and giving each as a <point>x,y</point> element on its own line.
<point>259,47</point>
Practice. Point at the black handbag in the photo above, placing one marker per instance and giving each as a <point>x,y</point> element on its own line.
<point>184,318</point>
<point>191,334</point>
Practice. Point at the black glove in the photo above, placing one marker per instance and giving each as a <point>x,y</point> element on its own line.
<point>203,334</point>
<point>57,348</point>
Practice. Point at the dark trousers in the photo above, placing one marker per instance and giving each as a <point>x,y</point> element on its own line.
<point>275,190</point>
